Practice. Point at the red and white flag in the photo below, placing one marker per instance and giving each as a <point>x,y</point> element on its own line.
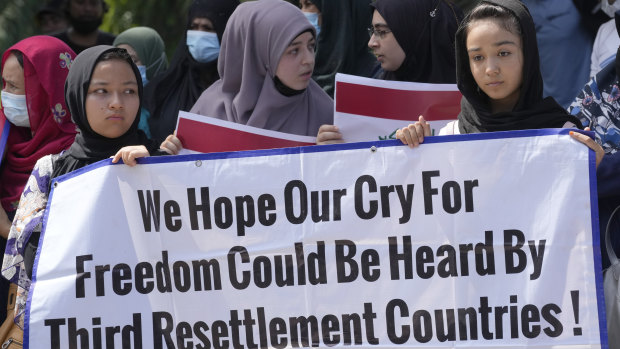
<point>205,134</point>
<point>372,109</point>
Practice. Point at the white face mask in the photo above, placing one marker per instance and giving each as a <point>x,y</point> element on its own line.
<point>15,109</point>
<point>610,10</point>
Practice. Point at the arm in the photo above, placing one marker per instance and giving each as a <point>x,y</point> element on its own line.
<point>329,134</point>
<point>414,134</point>
<point>5,223</point>
<point>171,145</point>
<point>130,153</point>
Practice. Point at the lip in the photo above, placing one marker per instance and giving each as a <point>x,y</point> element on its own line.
<point>115,117</point>
<point>495,83</point>
<point>306,75</point>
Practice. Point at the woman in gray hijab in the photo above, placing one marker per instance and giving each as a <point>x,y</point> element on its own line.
<point>265,66</point>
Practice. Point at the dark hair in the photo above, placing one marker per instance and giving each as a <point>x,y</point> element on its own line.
<point>67,4</point>
<point>118,53</point>
<point>506,19</point>
<point>20,57</point>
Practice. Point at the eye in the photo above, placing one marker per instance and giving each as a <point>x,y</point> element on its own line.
<point>476,58</point>
<point>130,91</point>
<point>504,53</point>
<point>293,51</point>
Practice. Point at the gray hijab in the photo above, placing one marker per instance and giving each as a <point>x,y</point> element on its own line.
<point>255,38</point>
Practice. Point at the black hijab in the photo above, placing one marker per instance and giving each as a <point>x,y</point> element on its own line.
<point>425,30</point>
<point>181,84</point>
<point>531,110</point>
<point>89,146</point>
<point>342,44</point>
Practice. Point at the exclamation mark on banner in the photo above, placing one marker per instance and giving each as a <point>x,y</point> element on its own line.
<point>574,295</point>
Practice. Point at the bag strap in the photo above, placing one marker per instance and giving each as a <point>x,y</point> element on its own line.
<point>610,250</point>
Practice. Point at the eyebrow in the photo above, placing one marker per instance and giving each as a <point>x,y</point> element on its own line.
<point>297,43</point>
<point>500,43</point>
<point>104,83</point>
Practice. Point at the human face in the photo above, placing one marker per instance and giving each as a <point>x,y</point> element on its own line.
<point>132,53</point>
<point>384,46</point>
<point>297,62</point>
<point>112,100</point>
<point>13,76</point>
<point>86,9</point>
<point>202,24</point>
<point>496,63</point>
<point>308,6</point>
<point>51,23</point>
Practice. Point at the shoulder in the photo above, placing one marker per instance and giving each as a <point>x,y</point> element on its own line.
<point>105,38</point>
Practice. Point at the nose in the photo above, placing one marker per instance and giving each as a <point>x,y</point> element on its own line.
<point>116,101</point>
<point>373,42</point>
<point>308,57</point>
<point>492,67</point>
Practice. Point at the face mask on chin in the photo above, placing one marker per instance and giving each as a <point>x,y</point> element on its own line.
<point>15,109</point>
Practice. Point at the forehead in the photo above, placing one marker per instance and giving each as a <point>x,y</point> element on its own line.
<point>112,71</point>
<point>489,32</point>
<point>303,38</point>
<point>377,19</point>
<point>12,69</point>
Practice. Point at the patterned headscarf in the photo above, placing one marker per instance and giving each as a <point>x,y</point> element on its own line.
<point>46,62</point>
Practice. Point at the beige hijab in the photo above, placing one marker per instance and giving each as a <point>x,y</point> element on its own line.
<point>255,38</point>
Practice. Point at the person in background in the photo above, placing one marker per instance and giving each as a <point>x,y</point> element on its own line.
<point>85,17</point>
<point>266,66</point>
<point>50,18</point>
<point>33,74</point>
<point>413,40</point>
<point>148,51</point>
<point>607,40</point>
<point>342,39</point>
<point>565,47</point>
<point>598,107</point>
<point>193,67</point>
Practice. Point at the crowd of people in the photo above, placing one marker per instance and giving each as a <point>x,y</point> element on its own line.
<point>80,95</point>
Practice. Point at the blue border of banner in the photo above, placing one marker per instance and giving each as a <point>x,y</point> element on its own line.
<point>3,138</point>
<point>362,145</point>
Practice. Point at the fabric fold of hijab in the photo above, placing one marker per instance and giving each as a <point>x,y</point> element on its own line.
<point>531,110</point>
<point>256,37</point>
<point>89,146</point>
<point>181,84</point>
<point>342,45</point>
<point>148,45</point>
<point>425,31</point>
<point>46,62</point>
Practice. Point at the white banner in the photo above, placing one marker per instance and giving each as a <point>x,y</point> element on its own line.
<point>481,241</point>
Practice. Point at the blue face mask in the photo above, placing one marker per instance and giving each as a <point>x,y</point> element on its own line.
<point>314,20</point>
<point>15,109</point>
<point>142,69</point>
<point>203,46</point>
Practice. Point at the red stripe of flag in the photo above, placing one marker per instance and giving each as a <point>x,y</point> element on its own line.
<point>208,138</point>
<point>395,104</point>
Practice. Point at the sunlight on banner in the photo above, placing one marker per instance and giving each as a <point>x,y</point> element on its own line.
<point>466,241</point>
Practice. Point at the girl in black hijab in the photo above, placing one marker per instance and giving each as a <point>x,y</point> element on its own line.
<point>413,41</point>
<point>103,92</point>
<point>424,30</point>
<point>179,87</point>
<point>499,76</point>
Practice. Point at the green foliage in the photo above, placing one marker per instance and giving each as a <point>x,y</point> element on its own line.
<point>167,17</point>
